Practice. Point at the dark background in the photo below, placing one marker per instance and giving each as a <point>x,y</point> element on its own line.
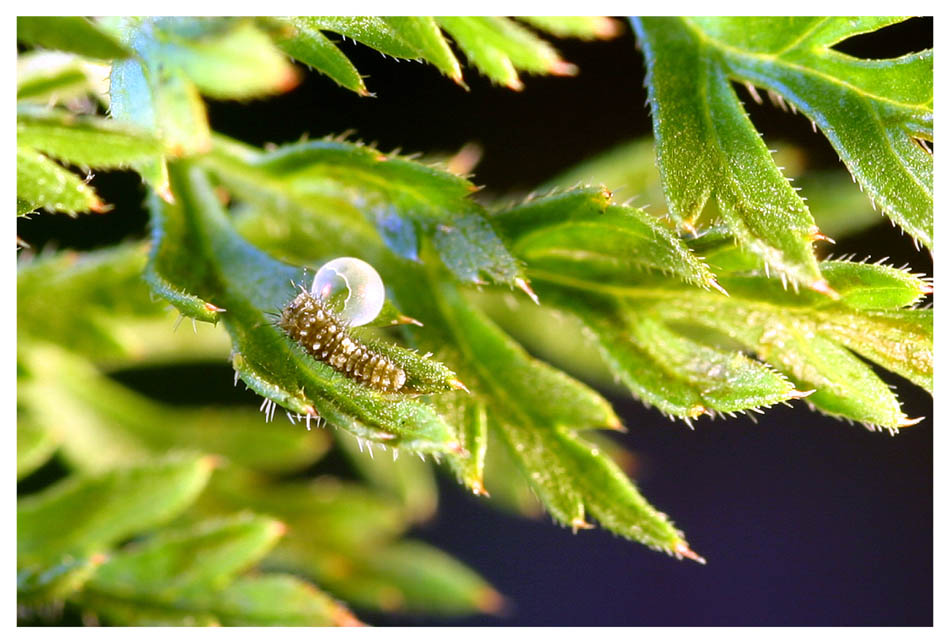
<point>804,520</point>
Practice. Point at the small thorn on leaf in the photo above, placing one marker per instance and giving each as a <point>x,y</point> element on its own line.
<point>211,308</point>
<point>814,234</point>
<point>910,422</point>
<point>479,489</point>
<point>458,385</point>
<point>682,550</point>
<point>797,395</point>
<point>822,286</point>
<point>926,289</point>
<point>489,601</point>
<point>406,319</point>
<point>580,523</point>
<point>523,285</point>
<point>615,424</point>
<point>514,83</point>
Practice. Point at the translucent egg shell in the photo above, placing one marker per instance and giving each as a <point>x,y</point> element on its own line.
<point>351,289</point>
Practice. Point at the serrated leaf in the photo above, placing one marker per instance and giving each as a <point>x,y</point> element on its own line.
<point>403,198</point>
<point>469,417</point>
<point>578,235</point>
<point>423,34</point>
<point>84,514</point>
<point>85,141</point>
<point>69,33</point>
<point>372,31</point>
<point>198,259</point>
<point>670,370</point>
<point>308,45</point>
<point>801,343</point>
<point>872,111</point>
<point>102,424</point>
<point>707,147</point>
<point>43,184</point>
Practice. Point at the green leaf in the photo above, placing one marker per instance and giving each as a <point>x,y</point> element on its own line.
<point>405,199</point>
<point>77,301</point>
<point>43,184</point>
<point>372,31</point>
<point>42,584</point>
<point>469,417</point>
<point>83,515</point>
<point>323,512</point>
<point>195,560</point>
<point>102,424</point>
<point>34,445</point>
<point>69,33</point>
<point>53,77</point>
<point>227,59</point>
<point>198,258</point>
<point>189,576</point>
<point>706,146</point>
<point>580,236</point>
<point>874,112</point>
<point>86,141</point>
<point>499,47</point>
<point>422,33</point>
<point>308,45</point>
<point>584,27</point>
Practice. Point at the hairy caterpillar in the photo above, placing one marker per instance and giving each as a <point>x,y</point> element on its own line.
<point>346,292</point>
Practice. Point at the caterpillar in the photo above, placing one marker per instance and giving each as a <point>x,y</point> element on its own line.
<point>324,334</point>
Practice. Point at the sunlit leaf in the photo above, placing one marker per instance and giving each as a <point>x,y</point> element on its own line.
<point>43,184</point>
<point>69,33</point>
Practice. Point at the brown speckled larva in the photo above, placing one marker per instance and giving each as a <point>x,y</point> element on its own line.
<point>327,339</point>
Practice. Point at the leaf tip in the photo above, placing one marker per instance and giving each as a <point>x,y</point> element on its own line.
<point>343,617</point>
<point>211,308</point>
<point>682,550</point>
<point>523,285</point>
<point>489,601</point>
<point>406,319</point>
<point>906,422</point>
<point>814,234</point>
<point>478,488</point>
<point>580,523</point>
<point>607,28</point>
<point>560,67</point>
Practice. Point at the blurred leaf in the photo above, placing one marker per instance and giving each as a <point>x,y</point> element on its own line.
<point>198,258</point>
<point>409,480</point>
<point>403,198</point>
<point>308,45</point>
<point>34,445</point>
<point>77,300</point>
<point>196,560</point>
<point>706,146</point>
<point>188,577</point>
<point>38,584</point>
<point>584,27</point>
<point>84,514</point>
<point>53,77</point>
<point>85,141</point>
<point>407,576</point>
<point>69,33</point>
<point>102,424</point>
<point>873,112</point>
<point>44,184</point>
<point>324,512</point>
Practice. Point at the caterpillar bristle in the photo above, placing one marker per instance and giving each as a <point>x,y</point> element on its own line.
<point>326,338</point>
